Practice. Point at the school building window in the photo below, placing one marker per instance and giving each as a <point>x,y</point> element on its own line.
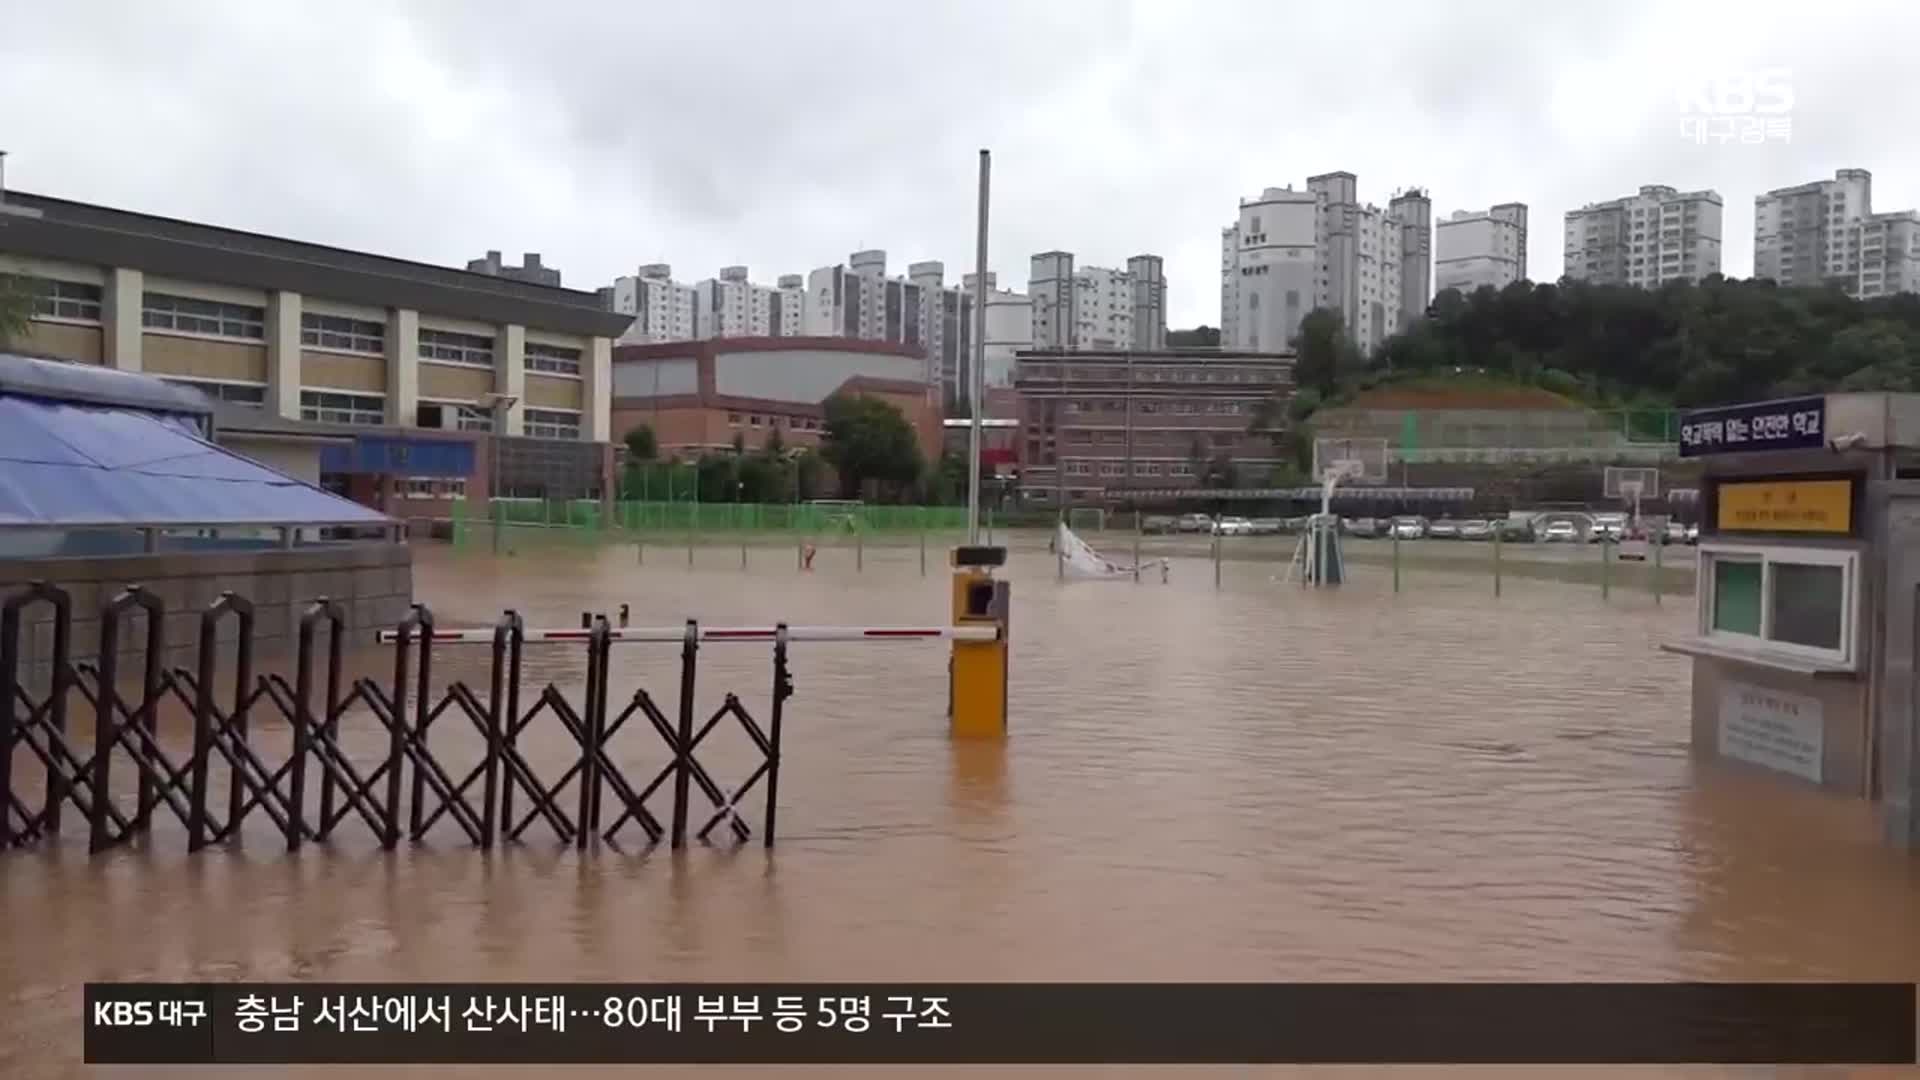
<point>66,301</point>
<point>185,315</point>
<point>556,359</point>
<point>552,424</point>
<point>449,347</point>
<point>334,407</point>
<point>337,332</point>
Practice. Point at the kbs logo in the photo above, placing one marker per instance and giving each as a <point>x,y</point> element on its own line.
<point>123,1014</point>
<point>1749,107</point>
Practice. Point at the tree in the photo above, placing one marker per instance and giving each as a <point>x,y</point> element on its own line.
<point>807,469</point>
<point>869,441</point>
<point>641,445</point>
<point>16,307</point>
<point>1324,356</point>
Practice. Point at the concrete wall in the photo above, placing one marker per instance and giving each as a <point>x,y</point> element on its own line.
<point>806,376</point>
<point>1845,752</point>
<point>374,583</point>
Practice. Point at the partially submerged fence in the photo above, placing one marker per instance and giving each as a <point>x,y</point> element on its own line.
<point>475,519</point>
<point>78,730</point>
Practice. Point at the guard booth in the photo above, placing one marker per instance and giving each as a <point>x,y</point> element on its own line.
<point>1806,614</point>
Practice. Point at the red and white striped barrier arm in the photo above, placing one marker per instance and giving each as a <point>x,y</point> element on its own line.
<point>669,634</point>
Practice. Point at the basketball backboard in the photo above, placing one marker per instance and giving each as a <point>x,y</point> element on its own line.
<point>1631,483</point>
<point>1351,460</point>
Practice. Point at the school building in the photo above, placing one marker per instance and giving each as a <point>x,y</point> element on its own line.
<point>399,384</point>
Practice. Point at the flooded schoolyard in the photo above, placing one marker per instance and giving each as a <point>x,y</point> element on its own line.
<point>1248,782</point>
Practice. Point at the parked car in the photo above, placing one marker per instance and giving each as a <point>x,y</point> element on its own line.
<point>1674,533</point>
<point>1516,529</point>
<point>1267,526</point>
<point>1232,526</point>
<point>1194,523</point>
<point>1364,527</point>
<point>1560,532</point>
<point>1158,524</point>
<point>1444,529</point>
<point>1476,530</point>
<point>1409,528</point>
<point>1608,529</point>
<point>1693,534</point>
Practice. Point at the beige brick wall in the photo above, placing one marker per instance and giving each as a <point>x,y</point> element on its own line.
<point>203,358</point>
<point>60,340</point>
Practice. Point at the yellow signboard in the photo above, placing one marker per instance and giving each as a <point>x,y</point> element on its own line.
<point>1813,506</point>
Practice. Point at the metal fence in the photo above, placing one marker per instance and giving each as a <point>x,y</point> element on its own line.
<point>72,735</point>
<point>474,520</point>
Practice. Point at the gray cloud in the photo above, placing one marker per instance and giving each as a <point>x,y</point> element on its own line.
<point>786,136</point>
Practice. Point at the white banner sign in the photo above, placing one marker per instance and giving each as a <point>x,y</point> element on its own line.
<point>1772,729</point>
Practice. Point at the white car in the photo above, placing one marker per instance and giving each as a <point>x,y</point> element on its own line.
<point>1233,526</point>
<point>1560,532</point>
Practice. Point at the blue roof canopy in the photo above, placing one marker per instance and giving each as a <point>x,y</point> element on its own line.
<point>66,464</point>
<point>53,380</point>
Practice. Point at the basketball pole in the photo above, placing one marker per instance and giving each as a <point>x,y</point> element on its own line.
<point>977,378</point>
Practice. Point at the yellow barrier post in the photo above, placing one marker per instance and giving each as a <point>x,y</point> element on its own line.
<point>977,687</point>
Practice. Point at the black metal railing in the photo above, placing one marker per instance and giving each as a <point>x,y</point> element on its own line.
<point>379,753</point>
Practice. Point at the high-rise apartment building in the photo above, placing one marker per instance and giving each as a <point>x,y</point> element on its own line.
<point>790,301</point>
<point>531,271</point>
<point>1053,290</point>
<point>1102,309</point>
<point>1148,279</point>
<point>1269,270</point>
<point>1413,209</point>
<point>663,309</point>
<point>1359,259</point>
<point>1645,240</point>
<point>859,300</point>
<point>1096,307</point>
<point>732,306</point>
<point>1294,251</point>
<point>946,316</point>
<point>1826,230</point>
<point>1481,247</point>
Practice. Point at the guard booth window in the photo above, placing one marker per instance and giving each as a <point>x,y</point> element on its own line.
<point>1736,596</point>
<point>1791,599</point>
<point>1807,604</point>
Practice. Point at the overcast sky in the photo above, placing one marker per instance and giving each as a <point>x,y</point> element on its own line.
<point>785,136</point>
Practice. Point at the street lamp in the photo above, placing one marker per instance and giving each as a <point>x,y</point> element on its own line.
<point>496,405</point>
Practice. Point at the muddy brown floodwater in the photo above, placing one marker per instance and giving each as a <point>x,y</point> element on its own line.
<point>1254,783</point>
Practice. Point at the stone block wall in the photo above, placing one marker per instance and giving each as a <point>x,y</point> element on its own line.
<point>373,584</point>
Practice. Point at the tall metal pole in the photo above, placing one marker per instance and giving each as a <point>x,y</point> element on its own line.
<point>977,383</point>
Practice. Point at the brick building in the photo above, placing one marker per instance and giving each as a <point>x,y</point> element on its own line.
<point>699,395</point>
<point>1093,421</point>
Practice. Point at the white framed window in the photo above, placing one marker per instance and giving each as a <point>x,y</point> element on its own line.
<point>551,423</point>
<point>341,407</point>
<point>555,359</point>
<point>341,334</point>
<point>185,315</point>
<point>253,395</point>
<point>450,347</point>
<point>434,487</point>
<point>467,416</point>
<point>66,301</point>
<point>1796,601</point>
